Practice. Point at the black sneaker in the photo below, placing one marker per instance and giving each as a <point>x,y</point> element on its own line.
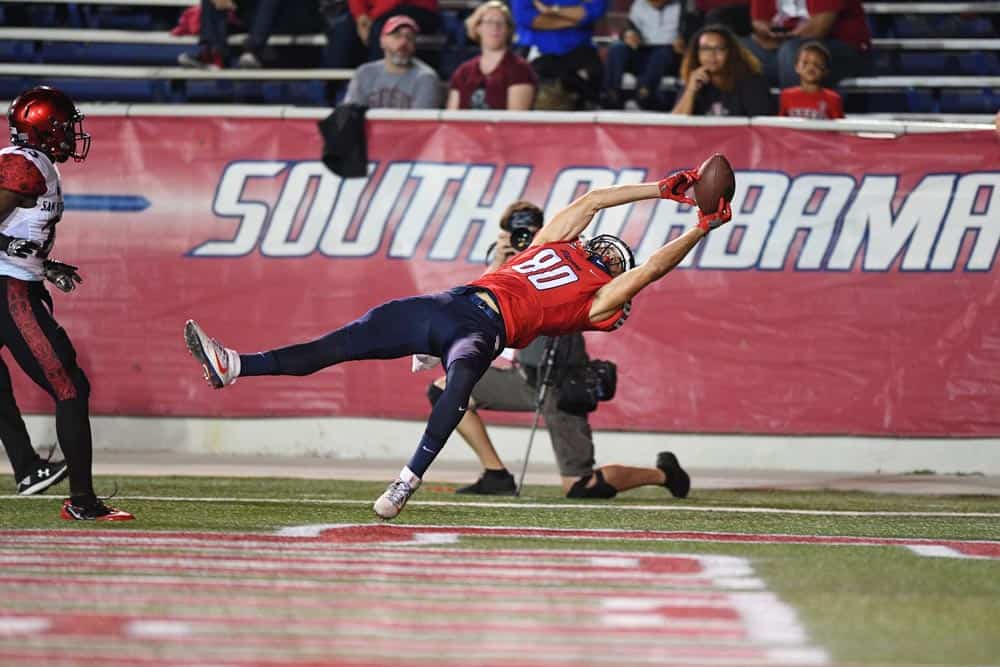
<point>678,482</point>
<point>44,475</point>
<point>492,483</point>
<point>96,511</point>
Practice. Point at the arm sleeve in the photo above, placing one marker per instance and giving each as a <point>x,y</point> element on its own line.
<point>763,10</point>
<point>18,174</point>
<point>524,13</point>
<point>353,95</point>
<point>819,6</point>
<point>428,94</point>
<point>595,11</point>
<point>357,7</point>
<point>522,73</point>
<point>783,103</point>
<point>836,105</point>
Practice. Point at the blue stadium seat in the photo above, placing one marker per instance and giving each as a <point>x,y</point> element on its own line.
<point>306,93</point>
<point>209,91</point>
<point>112,54</point>
<point>920,100</point>
<point>978,63</point>
<point>116,18</point>
<point>11,87</point>
<point>912,26</point>
<point>917,62</point>
<point>969,101</point>
<point>977,26</point>
<point>17,51</point>
<point>111,90</point>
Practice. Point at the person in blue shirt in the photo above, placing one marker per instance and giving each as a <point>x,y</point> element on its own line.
<point>558,41</point>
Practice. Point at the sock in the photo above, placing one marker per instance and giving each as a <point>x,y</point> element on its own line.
<point>260,363</point>
<point>409,477</point>
<point>501,473</point>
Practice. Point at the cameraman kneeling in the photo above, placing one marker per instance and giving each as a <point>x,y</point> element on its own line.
<point>516,390</point>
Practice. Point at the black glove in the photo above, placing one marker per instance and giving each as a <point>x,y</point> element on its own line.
<point>17,247</point>
<point>63,276</point>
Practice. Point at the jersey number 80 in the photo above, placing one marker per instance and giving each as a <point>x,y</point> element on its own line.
<point>546,271</point>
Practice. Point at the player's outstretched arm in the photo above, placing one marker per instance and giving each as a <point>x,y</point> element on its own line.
<point>610,298</point>
<point>570,222</point>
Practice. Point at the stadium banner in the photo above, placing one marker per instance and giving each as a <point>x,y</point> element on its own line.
<point>855,292</point>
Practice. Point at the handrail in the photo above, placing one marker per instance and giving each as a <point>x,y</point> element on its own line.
<point>981,6</point>
<point>287,112</point>
<point>162,37</point>
<point>131,72</point>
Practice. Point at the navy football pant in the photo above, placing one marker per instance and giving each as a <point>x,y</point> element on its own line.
<point>450,325</point>
<point>44,352</point>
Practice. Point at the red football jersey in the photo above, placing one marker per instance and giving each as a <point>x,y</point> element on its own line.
<point>547,290</point>
<point>825,104</point>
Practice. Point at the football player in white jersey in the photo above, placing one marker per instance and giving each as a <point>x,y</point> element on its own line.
<point>45,128</point>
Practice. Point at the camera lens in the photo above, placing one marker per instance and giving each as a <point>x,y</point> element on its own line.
<point>521,237</point>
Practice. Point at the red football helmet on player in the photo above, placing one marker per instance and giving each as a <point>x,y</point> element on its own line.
<point>46,119</point>
<point>611,254</point>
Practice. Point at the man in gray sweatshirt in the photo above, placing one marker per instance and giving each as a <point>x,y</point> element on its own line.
<point>398,81</point>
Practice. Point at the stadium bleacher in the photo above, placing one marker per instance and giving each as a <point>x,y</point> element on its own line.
<point>935,58</point>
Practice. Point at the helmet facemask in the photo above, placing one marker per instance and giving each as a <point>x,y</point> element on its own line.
<point>611,254</point>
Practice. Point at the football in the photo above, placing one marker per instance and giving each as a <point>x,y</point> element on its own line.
<point>716,180</point>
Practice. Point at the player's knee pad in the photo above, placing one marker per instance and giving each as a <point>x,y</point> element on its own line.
<point>434,393</point>
<point>600,489</point>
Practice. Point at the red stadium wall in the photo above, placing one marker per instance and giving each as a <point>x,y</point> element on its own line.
<point>855,292</point>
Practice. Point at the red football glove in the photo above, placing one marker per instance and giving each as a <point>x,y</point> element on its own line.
<point>674,187</point>
<point>722,215</point>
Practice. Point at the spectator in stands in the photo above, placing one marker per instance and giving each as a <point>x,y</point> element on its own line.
<point>780,27</point>
<point>721,77</point>
<point>810,99</point>
<point>213,35</point>
<point>498,78</point>
<point>648,48</point>
<point>350,26</point>
<point>399,80</point>
<point>558,38</point>
<point>734,14</point>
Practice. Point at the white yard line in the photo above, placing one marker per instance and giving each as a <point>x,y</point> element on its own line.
<point>611,507</point>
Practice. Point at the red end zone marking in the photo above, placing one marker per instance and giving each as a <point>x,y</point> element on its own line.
<point>212,598</point>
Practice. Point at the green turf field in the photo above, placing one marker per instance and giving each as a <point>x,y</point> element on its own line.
<point>861,604</point>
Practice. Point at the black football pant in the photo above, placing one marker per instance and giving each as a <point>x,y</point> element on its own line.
<point>454,325</point>
<point>44,352</point>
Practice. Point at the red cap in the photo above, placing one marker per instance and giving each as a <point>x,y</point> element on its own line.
<point>399,21</point>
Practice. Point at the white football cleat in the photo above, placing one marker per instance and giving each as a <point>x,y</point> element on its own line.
<point>391,503</point>
<point>220,365</point>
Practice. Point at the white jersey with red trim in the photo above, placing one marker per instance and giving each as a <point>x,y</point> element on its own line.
<point>34,224</point>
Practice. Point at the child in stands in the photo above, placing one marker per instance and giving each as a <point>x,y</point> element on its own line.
<point>810,99</point>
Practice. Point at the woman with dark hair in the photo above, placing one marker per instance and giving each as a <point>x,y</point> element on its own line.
<point>721,77</point>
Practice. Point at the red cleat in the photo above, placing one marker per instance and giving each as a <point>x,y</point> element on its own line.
<point>97,511</point>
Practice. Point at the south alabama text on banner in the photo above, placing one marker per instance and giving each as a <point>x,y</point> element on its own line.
<point>855,291</point>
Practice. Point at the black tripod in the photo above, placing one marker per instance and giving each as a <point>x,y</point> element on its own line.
<point>546,378</point>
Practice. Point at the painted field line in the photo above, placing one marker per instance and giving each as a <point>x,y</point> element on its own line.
<point>612,507</point>
<point>326,534</point>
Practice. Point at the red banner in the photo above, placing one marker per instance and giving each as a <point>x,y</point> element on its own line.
<point>854,293</point>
